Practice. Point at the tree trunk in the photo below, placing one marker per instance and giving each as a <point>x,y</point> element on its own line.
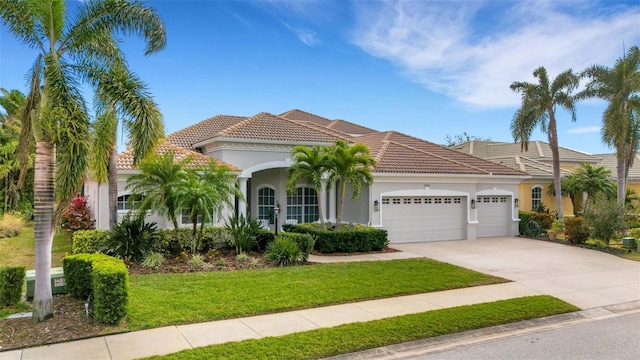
<point>320,207</point>
<point>113,186</point>
<point>343,189</point>
<point>553,142</point>
<point>622,183</point>
<point>43,213</point>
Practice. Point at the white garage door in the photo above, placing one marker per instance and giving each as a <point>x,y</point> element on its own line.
<point>494,215</point>
<point>414,219</point>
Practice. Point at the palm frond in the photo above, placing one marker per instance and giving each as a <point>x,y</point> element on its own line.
<point>103,140</point>
<point>18,17</point>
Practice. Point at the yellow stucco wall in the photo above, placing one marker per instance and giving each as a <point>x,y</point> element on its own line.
<point>524,193</point>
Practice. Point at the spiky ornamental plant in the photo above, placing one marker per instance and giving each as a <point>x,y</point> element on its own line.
<point>620,86</point>
<point>539,102</point>
<point>70,51</point>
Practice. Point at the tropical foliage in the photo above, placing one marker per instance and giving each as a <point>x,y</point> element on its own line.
<point>83,48</point>
<point>588,180</point>
<point>539,102</point>
<point>620,86</point>
<point>310,164</point>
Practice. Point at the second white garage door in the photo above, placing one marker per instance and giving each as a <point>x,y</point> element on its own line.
<point>414,219</point>
<point>494,215</point>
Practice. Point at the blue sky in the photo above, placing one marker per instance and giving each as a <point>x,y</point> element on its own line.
<point>425,68</point>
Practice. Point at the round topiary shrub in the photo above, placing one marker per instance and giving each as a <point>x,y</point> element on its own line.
<point>576,230</point>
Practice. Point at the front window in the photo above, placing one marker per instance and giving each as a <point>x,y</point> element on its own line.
<point>303,205</point>
<point>266,201</point>
<point>536,198</point>
<point>128,202</point>
<point>186,219</point>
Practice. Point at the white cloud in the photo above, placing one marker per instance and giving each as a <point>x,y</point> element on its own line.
<point>584,130</point>
<point>473,51</point>
<point>307,36</point>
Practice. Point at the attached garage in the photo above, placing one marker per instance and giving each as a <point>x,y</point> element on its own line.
<point>494,215</point>
<point>424,218</point>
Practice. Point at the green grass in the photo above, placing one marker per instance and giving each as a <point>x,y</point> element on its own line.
<point>20,250</point>
<point>349,338</point>
<point>163,299</point>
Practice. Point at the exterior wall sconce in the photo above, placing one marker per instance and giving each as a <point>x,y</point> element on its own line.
<point>517,202</point>
<point>276,209</point>
<point>473,203</point>
<point>376,205</point>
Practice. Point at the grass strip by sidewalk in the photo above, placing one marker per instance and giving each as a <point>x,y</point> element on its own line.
<point>165,299</point>
<point>344,339</point>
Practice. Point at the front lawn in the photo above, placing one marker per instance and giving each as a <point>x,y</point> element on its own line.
<point>164,299</point>
<point>354,337</point>
<point>20,250</point>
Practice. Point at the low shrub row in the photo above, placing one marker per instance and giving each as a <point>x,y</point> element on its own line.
<point>104,279</point>
<point>11,281</point>
<point>351,238</point>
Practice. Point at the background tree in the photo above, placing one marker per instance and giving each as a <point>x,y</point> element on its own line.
<point>620,86</point>
<point>349,164</point>
<point>538,109</point>
<point>458,139</point>
<point>605,217</point>
<point>70,51</point>
<point>310,164</point>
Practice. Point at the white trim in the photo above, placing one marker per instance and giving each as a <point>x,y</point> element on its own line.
<point>248,172</point>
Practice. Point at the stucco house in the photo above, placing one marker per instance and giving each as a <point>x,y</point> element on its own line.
<point>610,162</point>
<point>421,191</point>
<point>535,161</point>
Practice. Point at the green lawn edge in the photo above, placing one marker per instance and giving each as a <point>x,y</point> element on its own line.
<point>344,339</point>
<point>170,299</point>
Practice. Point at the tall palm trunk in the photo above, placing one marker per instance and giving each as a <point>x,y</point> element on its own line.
<point>555,156</point>
<point>320,207</point>
<point>621,173</point>
<point>44,217</point>
<point>343,190</point>
<point>113,186</point>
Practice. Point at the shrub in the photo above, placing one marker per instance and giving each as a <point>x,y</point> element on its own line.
<point>635,233</point>
<point>544,219</point>
<point>575,230</point>
<point>525,217</point>
<point>173,242</point>
<point>90,241</point>
<point>305,243</point>
<point>605,218</point>
<point>10,225</point>
<point>102,277</point>
<point>153,260</point>
<point>197,262</point>
<point>350,238</point>
<point>243,231</point>
<point>11,281</point>
<point>283,251</point>
<point>77,216</point>
<point>132,238</point>
<point>264,238</point>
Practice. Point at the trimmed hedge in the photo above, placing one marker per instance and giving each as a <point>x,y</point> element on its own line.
<point>356,238</point>
<point>11,281</point>
<point>305,243</point>
<point>172,242</point>
<point>102,277</point>
<point>264,238</point>
<point>89,241</point>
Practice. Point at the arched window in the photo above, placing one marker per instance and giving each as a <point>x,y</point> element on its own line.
<point>536,197</point>
<point>127,202</point>
<point>303,205</point>
<point>266,201</point>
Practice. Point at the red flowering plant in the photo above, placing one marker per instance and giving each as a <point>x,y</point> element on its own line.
<point>77,216</point>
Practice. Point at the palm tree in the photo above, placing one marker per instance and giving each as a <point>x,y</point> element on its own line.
<point>593,180</point>
<point>12,103</point>
<point>351,164</point>
<point>310,163</point>
<point>205,191</point>
<point>538,108</point>
<point>142,120</point>
<point>70,51</point>
<point>155,185</point>
<point>621,119</point>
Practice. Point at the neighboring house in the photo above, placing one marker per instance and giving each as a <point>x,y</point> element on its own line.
<point>421,191</point>
<point>609,161</point>
<point>535,161</point>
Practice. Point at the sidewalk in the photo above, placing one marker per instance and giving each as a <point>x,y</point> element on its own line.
<point>171,339</point>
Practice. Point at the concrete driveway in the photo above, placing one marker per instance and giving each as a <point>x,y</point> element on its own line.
<point>585,278</point>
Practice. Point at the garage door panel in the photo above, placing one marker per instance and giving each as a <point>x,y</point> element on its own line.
<point>424,218</point>
<point>494,215</point>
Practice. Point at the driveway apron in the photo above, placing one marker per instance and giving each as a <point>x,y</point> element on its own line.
<point>585,278</point>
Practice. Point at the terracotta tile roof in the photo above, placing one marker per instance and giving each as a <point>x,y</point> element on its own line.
<point>300,115</point>
<point>265,126</point>
<point>537,150</point>
<point>203,130</point>
<point>610,162</point>
<point>400,153</point>
<point>125,159</point>
<point>349,127</point>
